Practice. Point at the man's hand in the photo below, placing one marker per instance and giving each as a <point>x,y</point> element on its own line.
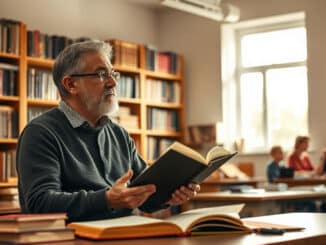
<point>184,194</point>
<point>121,196</point>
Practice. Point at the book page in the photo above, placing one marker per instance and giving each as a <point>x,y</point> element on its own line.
<point>189,218</point>
<point>216,152</point>
<point>132,220</point>
<point>187,151</point>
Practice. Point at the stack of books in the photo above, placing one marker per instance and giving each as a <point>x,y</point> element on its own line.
<point>34,228</point>
<point>9,202</point>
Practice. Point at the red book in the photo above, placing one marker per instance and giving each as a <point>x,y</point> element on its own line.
<point>163,63</point>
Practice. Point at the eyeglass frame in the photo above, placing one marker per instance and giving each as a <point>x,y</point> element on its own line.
<point>115,75</point>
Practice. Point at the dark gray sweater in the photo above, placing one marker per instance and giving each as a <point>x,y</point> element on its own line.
<point>62,168</point>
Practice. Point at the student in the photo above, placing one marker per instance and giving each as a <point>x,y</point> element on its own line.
<point>299,159</point>
<point>73,158</point>
<point>273,168</point>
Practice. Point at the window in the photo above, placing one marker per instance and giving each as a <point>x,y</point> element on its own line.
<point>271,85</point>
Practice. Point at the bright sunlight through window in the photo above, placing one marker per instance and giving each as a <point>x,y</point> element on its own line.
<point>273,88</point>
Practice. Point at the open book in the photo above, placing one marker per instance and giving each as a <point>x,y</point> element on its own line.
<point>221,219</point>
<point>179,165</point>
<point>203,221</point>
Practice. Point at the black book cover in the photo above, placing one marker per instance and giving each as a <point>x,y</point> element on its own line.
<point>173,170</point>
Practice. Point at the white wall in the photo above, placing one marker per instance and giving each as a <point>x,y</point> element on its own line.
<point>102,19</point>
<point>198,40</point>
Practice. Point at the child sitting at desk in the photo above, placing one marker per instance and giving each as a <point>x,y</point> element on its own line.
<point>273,168</point>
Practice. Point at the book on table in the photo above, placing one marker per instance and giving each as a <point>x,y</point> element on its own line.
<point>179,165</point>
<point>44,236</point>
<point>203,221</point>
<point>32,222</point>
<point>34,228</point>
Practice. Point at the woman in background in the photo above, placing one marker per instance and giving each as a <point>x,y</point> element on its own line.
<point>299,159</point>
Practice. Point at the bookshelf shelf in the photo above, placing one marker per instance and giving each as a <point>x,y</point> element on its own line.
<point>40,62</point>
<point>41,102</point>
<point>126,69</point>
<point>164,105</point>
<point>130,101</point>
<point>162,75</point>
<point>8,141</point>
<point>134,131</point>
<point>9,98</point>
<point>9,56</point>
<point>163,133</point>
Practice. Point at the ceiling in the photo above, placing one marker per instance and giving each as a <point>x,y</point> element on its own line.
<point>156,3</point>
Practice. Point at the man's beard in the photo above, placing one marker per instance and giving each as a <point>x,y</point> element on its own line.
<point>106,106</point>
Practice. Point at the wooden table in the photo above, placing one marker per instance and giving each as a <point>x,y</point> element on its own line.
<point>302,181</point>
<point>256,204</point>
<point>211,185</point>
<point>314,233</point>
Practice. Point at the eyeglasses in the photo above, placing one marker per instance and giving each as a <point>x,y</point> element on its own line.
<point>103,75</point>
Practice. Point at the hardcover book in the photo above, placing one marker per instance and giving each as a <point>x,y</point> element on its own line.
<point>203,221</point>
<point>179,165</point>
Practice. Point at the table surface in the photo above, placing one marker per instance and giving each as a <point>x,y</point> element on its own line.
<point>314,232</point>
<point>254,197</point>
<point>302,181</point>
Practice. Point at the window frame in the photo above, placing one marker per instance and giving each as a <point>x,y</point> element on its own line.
<point>234,33</point>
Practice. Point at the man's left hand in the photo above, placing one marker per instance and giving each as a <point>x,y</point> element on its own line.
<point>184,194</point>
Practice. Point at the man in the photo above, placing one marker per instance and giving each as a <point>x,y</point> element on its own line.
<point>73,158</point>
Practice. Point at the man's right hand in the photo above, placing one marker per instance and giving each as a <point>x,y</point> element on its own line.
<point>121,196</point>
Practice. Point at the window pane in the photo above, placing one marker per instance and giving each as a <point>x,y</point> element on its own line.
<point>275,47</point>
<point>252,127</point>
<point>287,105</point>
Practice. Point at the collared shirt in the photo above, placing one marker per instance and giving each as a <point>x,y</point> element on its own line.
<point>75,119</point>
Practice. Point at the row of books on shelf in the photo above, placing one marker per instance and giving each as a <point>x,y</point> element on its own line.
<point>125,53</point>
<point>163,91</point>
<point>128,87</point>
<point>8,122</point>
<point>41,85</point>
<point>126,118</point>
<point>156,146</point>
<point>8,79</point>
<point>44,45</point>
<point>166,62</point>
<point>7,165</point>
<point>162,119</point>
<point>9,36</point>
<point>35,111</point>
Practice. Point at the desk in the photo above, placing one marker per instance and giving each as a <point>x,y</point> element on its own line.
<point>314,233</point>
<point>256,204</point>
<point>211,185</point>
<point>302,181</point>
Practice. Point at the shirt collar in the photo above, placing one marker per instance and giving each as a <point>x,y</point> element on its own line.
<point>75,119</point>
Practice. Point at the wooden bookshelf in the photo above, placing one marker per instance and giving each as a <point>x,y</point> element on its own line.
<point>138,105</point>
